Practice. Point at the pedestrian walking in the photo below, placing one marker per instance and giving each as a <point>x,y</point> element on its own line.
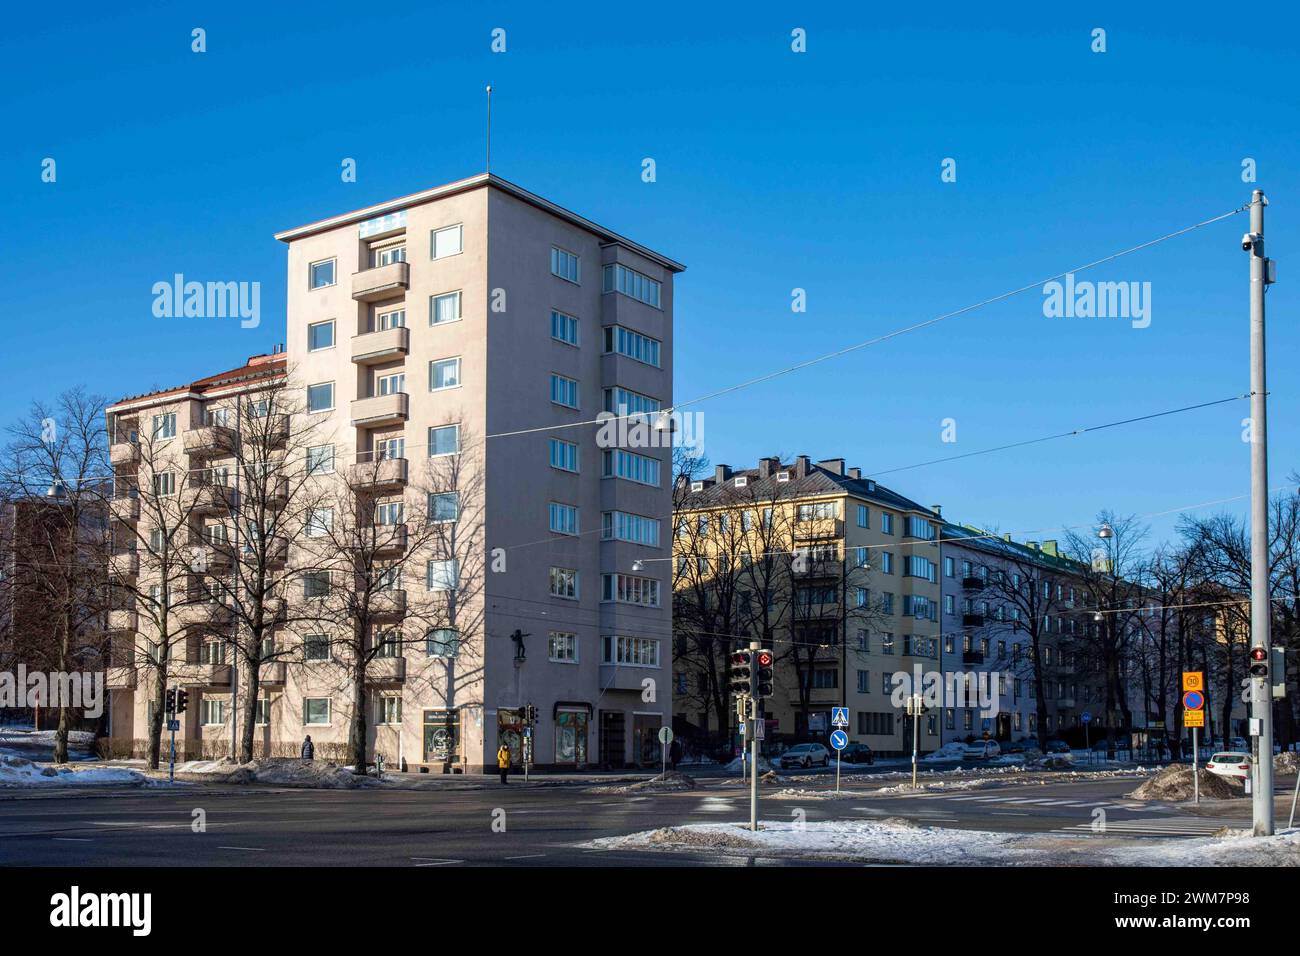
<point>308,748</point>
<point>503,762</point>
<point>674,753</point>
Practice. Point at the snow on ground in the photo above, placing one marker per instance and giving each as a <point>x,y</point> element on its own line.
<point>20,736</point>
<point>737,765</point>
<point>17,772</point>
<point>952,751</point>
<point>803,793</point>
<point>896,841</point>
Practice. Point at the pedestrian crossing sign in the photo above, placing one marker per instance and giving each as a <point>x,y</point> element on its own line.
<point>840,716</point>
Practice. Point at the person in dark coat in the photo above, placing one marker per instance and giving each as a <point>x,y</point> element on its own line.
<point>308,748</point>
<point>674,753</point>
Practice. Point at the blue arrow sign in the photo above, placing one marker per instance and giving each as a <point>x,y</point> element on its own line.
<point>839,740</point>
<point>840,716</point>
<point>1086,717</point>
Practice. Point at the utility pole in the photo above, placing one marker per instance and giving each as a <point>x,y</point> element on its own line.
<point>754,647</point>
<point>1261,696</point>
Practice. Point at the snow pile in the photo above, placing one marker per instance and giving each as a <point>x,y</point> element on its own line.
<point>1237,848</point>
<point>966,784</point>
<point>17,737</point>
<point>952,751</point>
<point>17,772</point>
<point>1286,762</point>
<point>1053,762</point>
<point>736,766</point>
<point>291,772</point>
<point>803,793</point>
<point>664,783</point>
<point>1175,783</point>
<point>773,777</point>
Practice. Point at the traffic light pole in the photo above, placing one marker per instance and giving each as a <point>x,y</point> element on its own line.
<point>753,752</point>
<point>1260,607</point>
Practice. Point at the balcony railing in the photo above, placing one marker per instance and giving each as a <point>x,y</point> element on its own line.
<point>972,658</point>
<point>388,604</point>
<point>819,528</point>
<point>371,348</point>
<point>124,453</point>
<point>124,564</point>
<point>123,619</point>
<point>126,508</point>
<point>120,677</point>
<point>383,474</point>
<point>381,282</point>
<point>390,539</point>
<point>210,440</point>
<point>391,409</point>
<point>972,583</point>
<point>386,670</point>
<point>972,620</point>
<point>214,499</point>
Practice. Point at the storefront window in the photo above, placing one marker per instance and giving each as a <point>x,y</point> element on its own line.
<point>510,731</point>
<point>571,737</point>
<point>441,735</point>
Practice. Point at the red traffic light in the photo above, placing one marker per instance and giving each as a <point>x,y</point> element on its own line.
<point>764,658</point>
<point>740,658</point>
<point>1258,654</point>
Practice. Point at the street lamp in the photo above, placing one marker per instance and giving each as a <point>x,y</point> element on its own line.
<point>1105,531</point>
<point>638,565</point>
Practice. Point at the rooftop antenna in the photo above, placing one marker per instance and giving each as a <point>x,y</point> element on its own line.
<point>489,128</point>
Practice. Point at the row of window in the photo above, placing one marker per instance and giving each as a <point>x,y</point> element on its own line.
<point>443,242</point>
<point>619,588</point>
<point>615,525</point>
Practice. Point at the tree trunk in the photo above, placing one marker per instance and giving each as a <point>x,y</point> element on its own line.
<point>250,711</point>
<point>156,721</point>
<point>61,733</point>
<point>357,732</point>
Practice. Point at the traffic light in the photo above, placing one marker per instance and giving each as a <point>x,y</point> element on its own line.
<point>170,707</point>
<point>765,659</point>
<point>740,673</point>
<point>1258,662</point>
<point>182,700</point>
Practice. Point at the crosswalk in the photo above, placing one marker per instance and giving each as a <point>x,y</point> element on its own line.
<point>1164,827</point>
<point>1004,800</point>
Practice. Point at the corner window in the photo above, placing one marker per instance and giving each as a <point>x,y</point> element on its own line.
<point>445,242</point>
<point>565,265</point>
<point>321,274</point>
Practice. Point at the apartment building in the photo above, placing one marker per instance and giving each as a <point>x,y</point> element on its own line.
<point>837,572</point>
<point>469,337</point>
<point>174,506</point>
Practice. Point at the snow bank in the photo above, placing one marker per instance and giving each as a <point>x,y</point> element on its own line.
<point>17,772</point>
<point>1175,783</point>
<point>952,751</point>
<point>737,765</point>
<point>1286,762</point>
<point>669,782</point>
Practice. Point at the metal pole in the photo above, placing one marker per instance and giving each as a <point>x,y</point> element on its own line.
<point>1294,794</point>
<point>753,749</point>
<point>235,579</point>
<point>839,759</point>
<point>916,734</point>
<point>1260,608</point>
<point>1196,773</point>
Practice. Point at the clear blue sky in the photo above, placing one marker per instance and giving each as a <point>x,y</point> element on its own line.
<point>775,170</point>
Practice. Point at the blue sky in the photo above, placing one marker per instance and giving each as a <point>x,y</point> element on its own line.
<point>775,171</point>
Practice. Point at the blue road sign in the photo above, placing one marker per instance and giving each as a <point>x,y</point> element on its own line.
<point>1086,717</point>
<point>839,739</point>
<point>173,725</point>
<point>840,716</point>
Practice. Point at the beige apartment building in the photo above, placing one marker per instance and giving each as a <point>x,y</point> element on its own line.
<point>477,330</point>
<point>854,597</point>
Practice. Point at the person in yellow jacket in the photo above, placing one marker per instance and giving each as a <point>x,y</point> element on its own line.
<point>503,762</point>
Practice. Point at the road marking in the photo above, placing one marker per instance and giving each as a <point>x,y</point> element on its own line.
<point>1168,828</point>
<point>254,849</point>
<point>433,861</point>
<point>525,856</point>
<point>73,839</point>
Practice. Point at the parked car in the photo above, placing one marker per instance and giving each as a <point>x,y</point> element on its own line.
<point>857,753</point>
<point>982,750</point>
<point>1015,746</point>
<point>1057,747</point>
<point>805,755</point>
<point>1229,763</point>
<point>1239,745</point>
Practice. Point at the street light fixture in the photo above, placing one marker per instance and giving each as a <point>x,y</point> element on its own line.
<point>638,565</point>
<point>1105,531</point>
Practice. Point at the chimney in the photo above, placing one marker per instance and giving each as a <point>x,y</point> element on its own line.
<point>1031,545</point>
<point>802,465</point>
<point>767,467</point>
<point>834,465</point>
<point>1049,547</point>
<point>721,473</point>
<point>937,509</point>
<point>855,472</point>
<point>1007,536</point>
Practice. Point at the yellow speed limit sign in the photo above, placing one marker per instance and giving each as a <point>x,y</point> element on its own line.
<point>1193,680</point>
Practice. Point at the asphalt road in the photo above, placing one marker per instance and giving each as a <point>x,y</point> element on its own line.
<point>265,826</point>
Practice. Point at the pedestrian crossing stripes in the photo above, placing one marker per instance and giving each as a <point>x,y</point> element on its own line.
<point>1171,827</point>
<point>1027,802</point>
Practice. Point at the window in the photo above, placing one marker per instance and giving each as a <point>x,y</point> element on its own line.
<point>388,710</point>
<point>633,467</point>
<point>316,711</point>
<point>444,440</point>
<point>320,398</point>
<point>864,516</point>
<point>825,679</point>
<point>886,562</point>
<point>444,373</point>
<point>389,514</point>
<point>442,642</point>
<point>619,278</point>
<point>388,644</point>
<point>212,712</point>
<point>886,523</point>
<point>315,584</point>
<point>563,518</point>
<point>390,319</point>
<point>630,589</point>
<point>389,449</point>
<point>387,254</point>
<point>634,345</point>
<point>919,528</point>
<point>947,567</point>
<point>630,651</point>
<point>564,391</point>
<point>444,308</point>
<point>164,426</point>
<point>625,402</point>
<point>320,335</point>
<point>887,646</point>
<point>442,575</point>
<point>320,460</point>
<point>444,506</point>
<point>564,583</point>
<point>445,242</point>
<point>916,566</point>
<point>864,682</point>
<point>316,648</point>
<point>164,485</point>
<point>263,712</point>
<point>564,455</point>
<point>321,274</point>
<point>565,265</point>
<point>562,647</point>
<point>212,652</point>
<point>948,604</point>
<point>818,510</point>
<point>320,522</point>
<point>622,526</point>
<point>390,384</point>
<point>564,328</point>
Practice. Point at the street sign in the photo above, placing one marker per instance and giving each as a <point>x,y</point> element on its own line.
<point>840,716</point>
<point>665,735</point>
<point>1193,700</point>
<point>760,730</point>
<point>1193,718</point>
<point>173,725</point>
<point>1193,680</point>
<point>1086,717</point>
<point>839,739</point>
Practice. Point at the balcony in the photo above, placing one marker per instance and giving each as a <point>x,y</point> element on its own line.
<point>124,564</point>
<point>972,584</point>
<point>819,528</point>
<point>206,613</point>
<point>123,454</point>
<point>272,431</point>
<point>209,441</point>
<point>972,620</point>
<point>120,677</point>
<point>123,619</point>
<point>214,500</point>
<point>389,539</point>
<point>381,282</point>
<point>379,410</point>
<point>972,658</point>
<point>386,670</point>
<point>388,604</point>
<point>382,475</point>
<point>126,508</point>
<point>196,673</point>
<point>625,677</point>
<point>816,696</point>
<point>273,673</point>
<point>372,348</point>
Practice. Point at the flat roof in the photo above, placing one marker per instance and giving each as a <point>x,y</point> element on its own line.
<point>465,185</point>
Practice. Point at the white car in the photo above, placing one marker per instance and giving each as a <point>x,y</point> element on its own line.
<point>983,750</point>
<point>1229,763</point>
<point>805,755</point>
